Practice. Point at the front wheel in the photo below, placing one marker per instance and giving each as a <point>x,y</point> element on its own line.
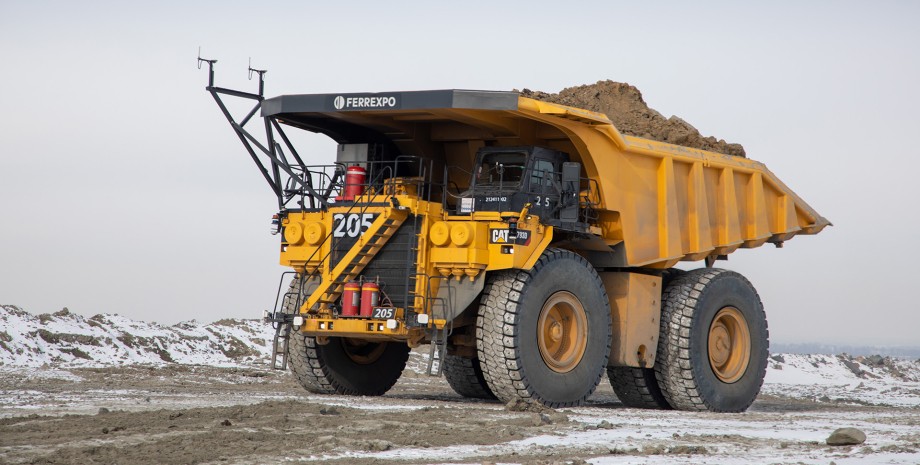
<point>544,335</point>
<point>343,365</point>
<point>346,366</point>
<point>712,351</point>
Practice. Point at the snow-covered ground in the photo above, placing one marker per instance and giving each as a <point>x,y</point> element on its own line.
<point>65,339</point>
<point>149,374</point>
<point>872,380</point>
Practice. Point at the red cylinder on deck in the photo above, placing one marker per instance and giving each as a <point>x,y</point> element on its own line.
<point>355,178</point>
<point>351,299</point>
<point>370,298</point>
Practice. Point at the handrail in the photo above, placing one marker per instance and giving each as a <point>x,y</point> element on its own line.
<point>388,171</point>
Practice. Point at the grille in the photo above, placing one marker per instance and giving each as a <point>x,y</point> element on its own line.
<point>392,264</point>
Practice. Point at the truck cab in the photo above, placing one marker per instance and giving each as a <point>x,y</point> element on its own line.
<point>505,179</point>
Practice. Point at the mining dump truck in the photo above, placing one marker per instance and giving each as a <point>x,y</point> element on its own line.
<point>531,245</point>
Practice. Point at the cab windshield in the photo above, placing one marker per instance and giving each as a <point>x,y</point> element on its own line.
<point>501,170</point>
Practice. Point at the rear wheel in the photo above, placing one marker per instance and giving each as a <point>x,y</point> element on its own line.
<point>544,335</point>
<point>464,375</point>
<point>712,353</point>
<point>638,387</point>
<point>343,365</point>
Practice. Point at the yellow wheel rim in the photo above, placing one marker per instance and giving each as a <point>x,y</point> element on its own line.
<point>729,345</point>
<point>562,332</point>
<point>363,352</point>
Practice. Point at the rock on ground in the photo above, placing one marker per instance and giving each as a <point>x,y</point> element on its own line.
<point>846,437</point>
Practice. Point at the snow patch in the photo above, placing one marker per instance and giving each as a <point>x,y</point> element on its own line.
<point>65,339</point>
<point>872,380</point>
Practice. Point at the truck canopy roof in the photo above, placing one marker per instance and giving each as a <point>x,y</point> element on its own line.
<point>357,117</point>
<point>447,115</point>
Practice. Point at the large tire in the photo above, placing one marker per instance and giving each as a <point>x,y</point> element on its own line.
<point>712,352</point>
<point>638,387</point>
<point>464,375</point>
<point>561,364</point>
<point>346,366</point>
<point>343,366</point>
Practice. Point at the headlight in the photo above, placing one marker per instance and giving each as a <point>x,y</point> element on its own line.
<point>440,233</point>
<point>462,234</point>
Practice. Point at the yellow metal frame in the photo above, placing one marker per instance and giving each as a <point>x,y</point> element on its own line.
<point>635,311</point>
<point>465,252</point>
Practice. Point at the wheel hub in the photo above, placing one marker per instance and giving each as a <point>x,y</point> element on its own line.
<point>729,345</point>
<point>562,332</point>
<point>719,344</point>
<point>363,352</point>
<point>555,332</point>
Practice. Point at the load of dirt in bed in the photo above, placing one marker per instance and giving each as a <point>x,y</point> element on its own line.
<point>623,104</point>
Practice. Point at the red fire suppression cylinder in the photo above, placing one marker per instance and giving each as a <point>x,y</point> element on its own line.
<point>351,299</point>
<point>355,178</point>
<point>370,298</point>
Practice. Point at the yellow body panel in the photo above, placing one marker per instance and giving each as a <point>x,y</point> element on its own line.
<point>669,203</point>
<point>635,311</point>
<point>453,247</point>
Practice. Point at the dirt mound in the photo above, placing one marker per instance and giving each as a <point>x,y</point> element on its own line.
<point>623,104</point>
<point>67,339</point>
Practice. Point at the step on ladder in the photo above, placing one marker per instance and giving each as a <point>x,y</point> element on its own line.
<point>439,336</point>
<point>280,346</point>
<point>438,348</point>
<point>354,261</point>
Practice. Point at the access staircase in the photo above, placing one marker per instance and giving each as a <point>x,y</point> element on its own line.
<point>349,267</point>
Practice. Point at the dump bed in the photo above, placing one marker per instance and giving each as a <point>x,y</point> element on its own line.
<point>669,203</point>
<point>657,203</point>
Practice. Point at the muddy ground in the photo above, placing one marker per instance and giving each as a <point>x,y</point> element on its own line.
<point>188,414</point>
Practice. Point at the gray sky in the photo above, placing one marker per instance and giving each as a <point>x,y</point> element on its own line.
<point>123,189</point>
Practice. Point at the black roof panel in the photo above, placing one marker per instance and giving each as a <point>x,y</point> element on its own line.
<point>410,100</point>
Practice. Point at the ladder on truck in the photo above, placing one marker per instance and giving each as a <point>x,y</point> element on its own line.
<point>438,335</point>
<point>351,265</point>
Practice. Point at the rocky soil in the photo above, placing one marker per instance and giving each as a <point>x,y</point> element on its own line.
<point>623,104</point>
<point>192,414</point>
<point>75,410</point>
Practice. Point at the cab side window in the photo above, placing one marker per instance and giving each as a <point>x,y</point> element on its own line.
<point>541,176</point>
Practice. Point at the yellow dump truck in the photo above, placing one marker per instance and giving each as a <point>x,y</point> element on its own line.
<point>530,244</point>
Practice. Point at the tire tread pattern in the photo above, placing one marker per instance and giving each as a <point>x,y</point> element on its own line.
<point>673,367</point>
<point>308,368</point>
<point>637,387</point>
<point>465,377</point>
<point>497,332</point>
<point>312,372</point>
